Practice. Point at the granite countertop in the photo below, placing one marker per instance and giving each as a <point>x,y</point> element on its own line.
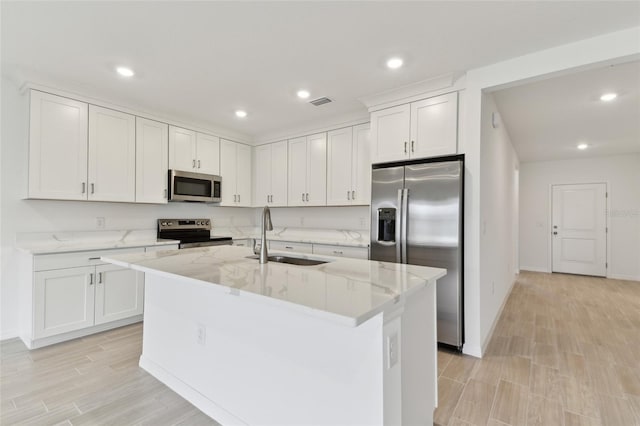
<point>338,237</point>
<point>347,291</point>
<point>63,242</point>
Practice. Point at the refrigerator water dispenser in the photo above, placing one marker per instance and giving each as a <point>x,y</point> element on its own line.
<point>387,224</point>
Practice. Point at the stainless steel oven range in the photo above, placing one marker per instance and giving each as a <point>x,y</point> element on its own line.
<point>190,232</point>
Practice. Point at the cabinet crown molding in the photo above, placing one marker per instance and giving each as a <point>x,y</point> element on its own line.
<point>415,91</point>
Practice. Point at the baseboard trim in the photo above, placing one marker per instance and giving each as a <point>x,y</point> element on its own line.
<point>11,334</point>
<point>534,269</point>
<point>486,341</point>
<point>200,401</point>
<point>624,277</point>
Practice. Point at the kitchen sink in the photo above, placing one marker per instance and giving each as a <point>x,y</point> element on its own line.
<point>291,260</point>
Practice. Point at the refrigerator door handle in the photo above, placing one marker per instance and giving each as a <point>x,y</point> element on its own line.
<point>403,223</point>
<point>398,228</point>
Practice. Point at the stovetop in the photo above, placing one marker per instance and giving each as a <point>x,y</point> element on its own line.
<point>187,230</point>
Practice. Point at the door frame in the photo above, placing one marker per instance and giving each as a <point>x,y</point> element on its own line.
<point>550,223</point>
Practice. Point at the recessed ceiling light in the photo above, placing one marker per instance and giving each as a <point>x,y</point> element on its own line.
<point>583,146</point>
<point>303,94</point>
<point>240,113</point>
<point>608,97</point>
<point>394,63</point>
<point>125,72</point>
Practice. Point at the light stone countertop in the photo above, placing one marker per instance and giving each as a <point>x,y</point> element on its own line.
<point>64,242</point>
<point>346,291</point>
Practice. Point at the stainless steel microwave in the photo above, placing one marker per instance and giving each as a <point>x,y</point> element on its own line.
<point>189,186</point>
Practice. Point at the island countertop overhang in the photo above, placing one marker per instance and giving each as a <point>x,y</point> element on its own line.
<point>346,291</point>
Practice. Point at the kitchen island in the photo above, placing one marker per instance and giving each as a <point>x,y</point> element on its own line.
<point>347,342</point>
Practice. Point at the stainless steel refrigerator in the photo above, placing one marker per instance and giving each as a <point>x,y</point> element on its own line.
<point>416,218</point>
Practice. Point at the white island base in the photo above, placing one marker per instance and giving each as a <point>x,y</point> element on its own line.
<point>244,362</point>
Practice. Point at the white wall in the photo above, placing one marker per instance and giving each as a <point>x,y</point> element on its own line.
<point>608,48</point>
<point>622,176</point>
<point>498,212</point>
<point>20,215</point>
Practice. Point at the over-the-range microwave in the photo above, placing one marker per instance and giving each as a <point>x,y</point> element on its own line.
<point>189,186</point>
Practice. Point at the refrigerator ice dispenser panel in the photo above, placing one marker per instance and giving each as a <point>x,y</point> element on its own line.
<point>387,224</point>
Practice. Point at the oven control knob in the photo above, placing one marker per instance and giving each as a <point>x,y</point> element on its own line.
<point>163,223</point>
<point>198,222</point>
<point>169,223</point>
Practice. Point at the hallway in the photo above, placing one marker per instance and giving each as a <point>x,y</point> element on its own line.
<point>565,351</point>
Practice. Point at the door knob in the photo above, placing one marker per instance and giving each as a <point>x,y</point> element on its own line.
<point>555,233</point>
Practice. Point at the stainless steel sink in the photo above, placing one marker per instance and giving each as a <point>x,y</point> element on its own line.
<point>291,260</point>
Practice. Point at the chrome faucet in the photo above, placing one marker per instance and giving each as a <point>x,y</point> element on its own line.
<point>266,226</point>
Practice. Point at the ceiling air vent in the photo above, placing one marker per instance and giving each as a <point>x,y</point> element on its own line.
<point>320,101</point>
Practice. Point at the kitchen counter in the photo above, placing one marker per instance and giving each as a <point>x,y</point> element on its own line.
<point>62,242</point>
<point>347,342</point>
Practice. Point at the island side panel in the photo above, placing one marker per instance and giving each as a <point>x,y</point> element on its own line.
<point>419,357</point>
<point>260,363</point>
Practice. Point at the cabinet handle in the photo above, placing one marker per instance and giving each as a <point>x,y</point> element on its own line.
<point>412,146</point>
<point>198,163</point>
<point>94,258</point>
<point>165,193</point>
<point>90,279</point>
<point>193,163</point>
<point>405,147</point>
<point>303,197</point>
<point>353,195</point>
<point>348,195</point>
<point>84,185</point>
<point>288,247</point>
<point>307,196</point>
<point>235,198</point>
<point>337,252</point>
<point>99,277</point>
<point>93,188</point>
<point>238,197</point>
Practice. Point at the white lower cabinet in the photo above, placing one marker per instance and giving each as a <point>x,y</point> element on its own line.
<point>290,246</point>
<point>75,294</point>
<point>341,251</point>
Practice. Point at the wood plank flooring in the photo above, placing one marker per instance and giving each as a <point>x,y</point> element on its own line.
<point>566,351</point>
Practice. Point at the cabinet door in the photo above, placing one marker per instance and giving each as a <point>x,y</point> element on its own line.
<point>339,165</point>
<point>434,126</point>
<point>152,161</point>
<point>243,174</point>
<point>297,181</point>
<point>228,159</point>
<point>279,174</point>
<point>57,148</point>
<point>208,154</point>
<point>119,293</point>
<point>112,155</point>
<point>263,172</point>
<point>182,149</point>
<point>390,133</point>
<point>361,170</point>
<point>63,300</point>
<point>317,170</point>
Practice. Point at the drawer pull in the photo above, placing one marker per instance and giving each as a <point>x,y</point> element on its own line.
<point>288,247</point>
<point>94,258</point>
<point>337,252</point>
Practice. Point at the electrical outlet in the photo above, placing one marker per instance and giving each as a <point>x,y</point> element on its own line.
<point>100,222</point>
<point>201,334</point>
<point>392,350</point>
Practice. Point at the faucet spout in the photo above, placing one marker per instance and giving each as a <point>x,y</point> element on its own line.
<point>266,226</point>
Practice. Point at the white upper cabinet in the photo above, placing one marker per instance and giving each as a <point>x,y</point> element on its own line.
<point>57,147</point>
<point>193,152</point>
<point>307,180</point>
<point>112,155</point>
<point>271,174</point>
<point>152,159</point>
<point>235,170</point>
<point>348,166</point>
<point>420,129</point>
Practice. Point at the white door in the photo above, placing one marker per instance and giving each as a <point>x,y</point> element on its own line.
<point>339,167</point>
<point>243,174</point>
<point>279,173</point>
<point>57,148</point>
<point>112,155</point>
<point>263,175</point>
<point>228,160</point>
<point>152,159</point>
<point>316,194</point>
<point>119,293</point>
<point>361,170</point>
<point>434,126</point>
<point>63,300</point>
<point>579,229</point>
<point>390,133</point>
<point>207,154</point>
<point>297,181</point>
<point>182,149</point>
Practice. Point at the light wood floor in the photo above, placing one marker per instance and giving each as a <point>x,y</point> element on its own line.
<point>566,351</point>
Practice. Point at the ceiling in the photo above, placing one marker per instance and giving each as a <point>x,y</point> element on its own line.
<point>546,120</point>
<point>200,61</point>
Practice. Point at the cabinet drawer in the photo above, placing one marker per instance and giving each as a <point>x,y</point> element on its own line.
<point>341,251</point>
<point>289,246</point>
<point>45,262</point>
